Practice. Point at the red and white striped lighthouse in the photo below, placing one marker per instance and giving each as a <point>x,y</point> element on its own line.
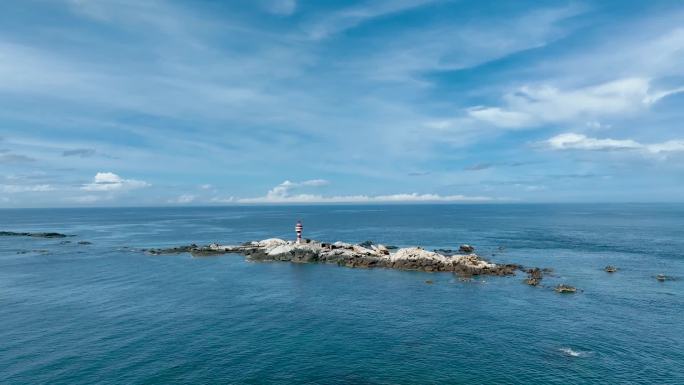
<point>298,230</point>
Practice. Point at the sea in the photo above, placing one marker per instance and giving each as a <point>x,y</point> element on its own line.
<point>108,313</point>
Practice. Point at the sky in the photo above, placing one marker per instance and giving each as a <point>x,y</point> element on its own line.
<point>139,103</point>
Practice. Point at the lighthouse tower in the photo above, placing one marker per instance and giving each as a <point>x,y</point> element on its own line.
<point>298,230</point>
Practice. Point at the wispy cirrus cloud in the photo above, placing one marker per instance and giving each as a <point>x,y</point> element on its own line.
<point>14,189</point>
<point>532,106</point>
<point>279,7</point>
<point>478,166</point>
<point>450,45</point>
<point>347,18</point>
<point>15,158</point>
<point>79,152</point>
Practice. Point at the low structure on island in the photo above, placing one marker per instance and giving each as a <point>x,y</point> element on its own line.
<point>352,255</point>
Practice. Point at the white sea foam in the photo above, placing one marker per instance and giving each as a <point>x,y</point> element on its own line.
<point>572,353</point>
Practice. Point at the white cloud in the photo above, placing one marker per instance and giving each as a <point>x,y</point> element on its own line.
<point>532,106</point>
<point>410,197</point>
<point>13,189</point>
<point>314,183</point>
<point>89,199</point>
<point>656,96</point>
<point>206,187</point>
<point>499,117</point>
<point>281,194</point>
<point>183,199</point>
<point>223,199</point>
<point>108,181</point>
<point>572,141</point>
<point>284,189</point>
<point>595,124</point>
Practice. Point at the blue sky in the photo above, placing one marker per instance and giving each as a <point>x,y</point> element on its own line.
<point>111,103</point>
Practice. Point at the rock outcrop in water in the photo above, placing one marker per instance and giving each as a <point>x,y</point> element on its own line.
<point>534,276</point>
<point>35,235</point>
<point>565,289</point>
<point>351,255</point>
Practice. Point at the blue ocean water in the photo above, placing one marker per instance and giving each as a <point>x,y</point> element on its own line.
<point>107,313</point>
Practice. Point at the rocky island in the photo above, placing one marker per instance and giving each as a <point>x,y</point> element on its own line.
<point>464,263</point>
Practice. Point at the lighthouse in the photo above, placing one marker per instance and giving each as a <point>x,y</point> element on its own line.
<point>298,230</point>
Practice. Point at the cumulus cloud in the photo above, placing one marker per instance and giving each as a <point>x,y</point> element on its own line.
<point>108,181</point>
<point>284,189</point>
<point>282,194</point>
<point>572,141</point>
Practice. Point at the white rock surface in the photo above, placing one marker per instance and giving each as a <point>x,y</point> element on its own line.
<point>270,243</point>
<point>413,253</point>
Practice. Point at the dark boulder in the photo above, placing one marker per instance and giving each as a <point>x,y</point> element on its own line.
<point>466,249</point>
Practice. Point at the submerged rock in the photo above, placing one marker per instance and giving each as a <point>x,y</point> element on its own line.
<point>534,276</point>
<point>35,235</point>
<point>85,243</point>
<point>562,288</point>
<point>535,272</point>
<point>663,277</point>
